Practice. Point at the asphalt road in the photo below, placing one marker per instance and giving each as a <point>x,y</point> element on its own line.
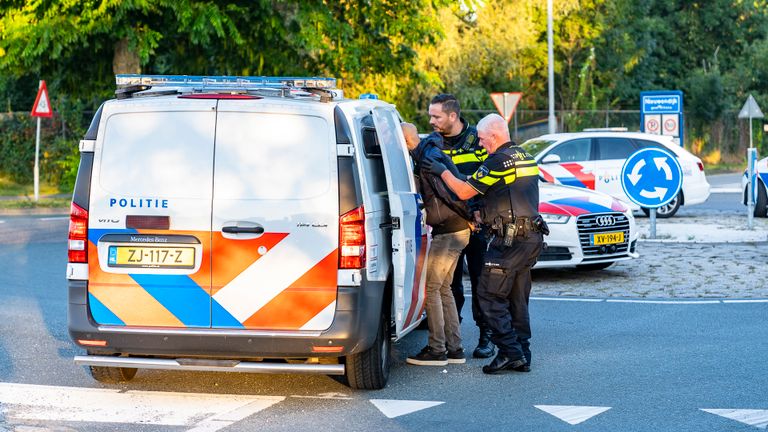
<point>637,366</point>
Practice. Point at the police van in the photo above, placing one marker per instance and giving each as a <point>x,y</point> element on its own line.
<point>244,224</point>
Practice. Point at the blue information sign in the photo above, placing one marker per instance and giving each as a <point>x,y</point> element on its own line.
<point>661,113</point>
<point>651,177</point>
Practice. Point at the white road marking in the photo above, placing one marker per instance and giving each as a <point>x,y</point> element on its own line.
<point>753,417</point>
<point>725,190</point>
<point>747,301</point>
<point>572,414</point>
<point>570,299</point>
<point>201,412</point>
<point>685,302</point>
<point>54,218</point>
<point>395,408</point>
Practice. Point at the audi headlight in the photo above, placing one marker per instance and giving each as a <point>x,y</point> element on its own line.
<point>551,218</point>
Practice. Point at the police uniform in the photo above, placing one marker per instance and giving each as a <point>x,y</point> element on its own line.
<point>508,180</point>
<point>465,152</point>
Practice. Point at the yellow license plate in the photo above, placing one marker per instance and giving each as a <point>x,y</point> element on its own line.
<point>608,238</point>
<point>152,257</point>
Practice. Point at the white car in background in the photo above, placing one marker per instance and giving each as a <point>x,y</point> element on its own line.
<point>593,160</point>
<point>589,230</point>
<point>761,188</point>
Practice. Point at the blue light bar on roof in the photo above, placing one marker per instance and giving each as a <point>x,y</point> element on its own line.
<point>223,82</point>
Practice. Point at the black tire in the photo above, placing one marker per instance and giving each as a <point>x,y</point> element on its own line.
<point>112,375</point>
<point>369,370</point>
<point>667,210</point>
<point>761,202</point>
<point>593,267</point>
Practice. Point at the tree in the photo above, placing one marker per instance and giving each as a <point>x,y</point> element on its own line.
<point>82,43</point>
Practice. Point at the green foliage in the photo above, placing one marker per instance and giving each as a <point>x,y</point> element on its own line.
<point>606,53</point>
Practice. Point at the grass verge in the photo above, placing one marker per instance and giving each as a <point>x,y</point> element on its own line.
<point>27,203</point>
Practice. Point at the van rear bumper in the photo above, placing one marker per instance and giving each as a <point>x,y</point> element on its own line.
<point>353,329</point>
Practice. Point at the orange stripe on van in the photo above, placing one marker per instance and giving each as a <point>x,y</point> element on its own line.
<point>232,257</point>
<point>302,300</point>
<point>125,298</point>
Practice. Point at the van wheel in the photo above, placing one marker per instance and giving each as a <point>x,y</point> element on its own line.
<point>112,375</point>
<point>761,202</point>
<point>369,370</point>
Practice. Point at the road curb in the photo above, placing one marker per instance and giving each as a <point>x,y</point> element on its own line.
<point>35,211</point>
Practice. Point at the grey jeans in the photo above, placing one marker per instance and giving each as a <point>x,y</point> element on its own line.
<point>442,317</point>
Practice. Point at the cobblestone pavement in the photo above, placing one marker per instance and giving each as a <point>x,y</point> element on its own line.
<point>668,270</point>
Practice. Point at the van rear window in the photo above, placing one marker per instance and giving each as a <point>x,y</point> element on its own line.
<point>272,156</point>
<point>158,154</point>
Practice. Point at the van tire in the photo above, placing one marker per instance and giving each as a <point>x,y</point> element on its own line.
<point>369,369</point>
<point>761,201</point>
<point>112,375</point>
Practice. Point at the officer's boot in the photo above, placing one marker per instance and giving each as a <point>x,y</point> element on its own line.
<point>485,347</point>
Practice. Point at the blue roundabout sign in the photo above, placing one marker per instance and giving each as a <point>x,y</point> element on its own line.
<point>651,177</point>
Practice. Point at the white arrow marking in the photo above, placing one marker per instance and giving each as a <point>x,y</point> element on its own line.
<point>661,164</point>
<point>753,417</point>
<point>203,412</point>
<point>395,408</point>
<point>572,414</point>
<point>634,176</point>
<point>658,193</point>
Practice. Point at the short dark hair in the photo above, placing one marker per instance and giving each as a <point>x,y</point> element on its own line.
<point>449,102</point>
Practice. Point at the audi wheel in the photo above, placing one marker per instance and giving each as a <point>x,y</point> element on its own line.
<point>667,210</point>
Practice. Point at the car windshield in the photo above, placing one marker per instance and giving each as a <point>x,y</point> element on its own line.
<point>535,146</point>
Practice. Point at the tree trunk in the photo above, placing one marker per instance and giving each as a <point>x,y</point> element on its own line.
<point>126,60</point>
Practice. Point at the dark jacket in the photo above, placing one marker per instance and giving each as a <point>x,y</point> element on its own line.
<point>446,213</point>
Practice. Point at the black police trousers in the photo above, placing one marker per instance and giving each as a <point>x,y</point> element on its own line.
<point>504,290</point>
<point>474,251</point>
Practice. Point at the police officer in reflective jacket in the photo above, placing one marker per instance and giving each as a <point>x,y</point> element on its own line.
<point>508,181</point>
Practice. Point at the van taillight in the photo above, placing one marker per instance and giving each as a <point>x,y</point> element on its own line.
<point>352,239</point>
<point>78,234</point>
<point>701,166</point>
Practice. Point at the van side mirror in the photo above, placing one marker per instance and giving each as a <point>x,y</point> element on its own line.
<point>551,159</point>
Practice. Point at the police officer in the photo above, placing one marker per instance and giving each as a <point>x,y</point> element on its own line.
<point>463,147</point>
<point>508,180</point>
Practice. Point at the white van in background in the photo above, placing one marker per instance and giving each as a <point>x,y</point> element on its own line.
<point>244,224</point>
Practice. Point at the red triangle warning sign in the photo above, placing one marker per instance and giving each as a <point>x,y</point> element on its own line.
<point>506,103</point>
<point>42,106</point>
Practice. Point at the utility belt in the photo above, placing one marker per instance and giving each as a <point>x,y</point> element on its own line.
<point>516,229</point>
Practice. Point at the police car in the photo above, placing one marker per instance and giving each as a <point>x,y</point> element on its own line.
<point>761,189</point>
<point>593,160</point>
<point>588,229</point>
<point>244,224</point>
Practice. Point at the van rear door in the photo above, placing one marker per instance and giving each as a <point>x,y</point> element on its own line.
<point>275,218</point>
<point>410,242</point>
<point>149,224</point>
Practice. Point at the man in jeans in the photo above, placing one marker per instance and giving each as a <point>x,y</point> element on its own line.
<point>447,215</point>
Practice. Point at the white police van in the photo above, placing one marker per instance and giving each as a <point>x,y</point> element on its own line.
<point>244,224</point>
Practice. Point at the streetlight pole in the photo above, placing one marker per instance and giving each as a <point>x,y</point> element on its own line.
<point>551,63</point>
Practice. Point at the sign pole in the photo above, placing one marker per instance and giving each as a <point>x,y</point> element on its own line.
<point>653,223</point>
<point>749,111</point>
<point>751,158</point>
<point>37,160</point>
<point>41,108</point>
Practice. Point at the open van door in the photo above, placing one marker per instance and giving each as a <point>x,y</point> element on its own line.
<point>410,242</point>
